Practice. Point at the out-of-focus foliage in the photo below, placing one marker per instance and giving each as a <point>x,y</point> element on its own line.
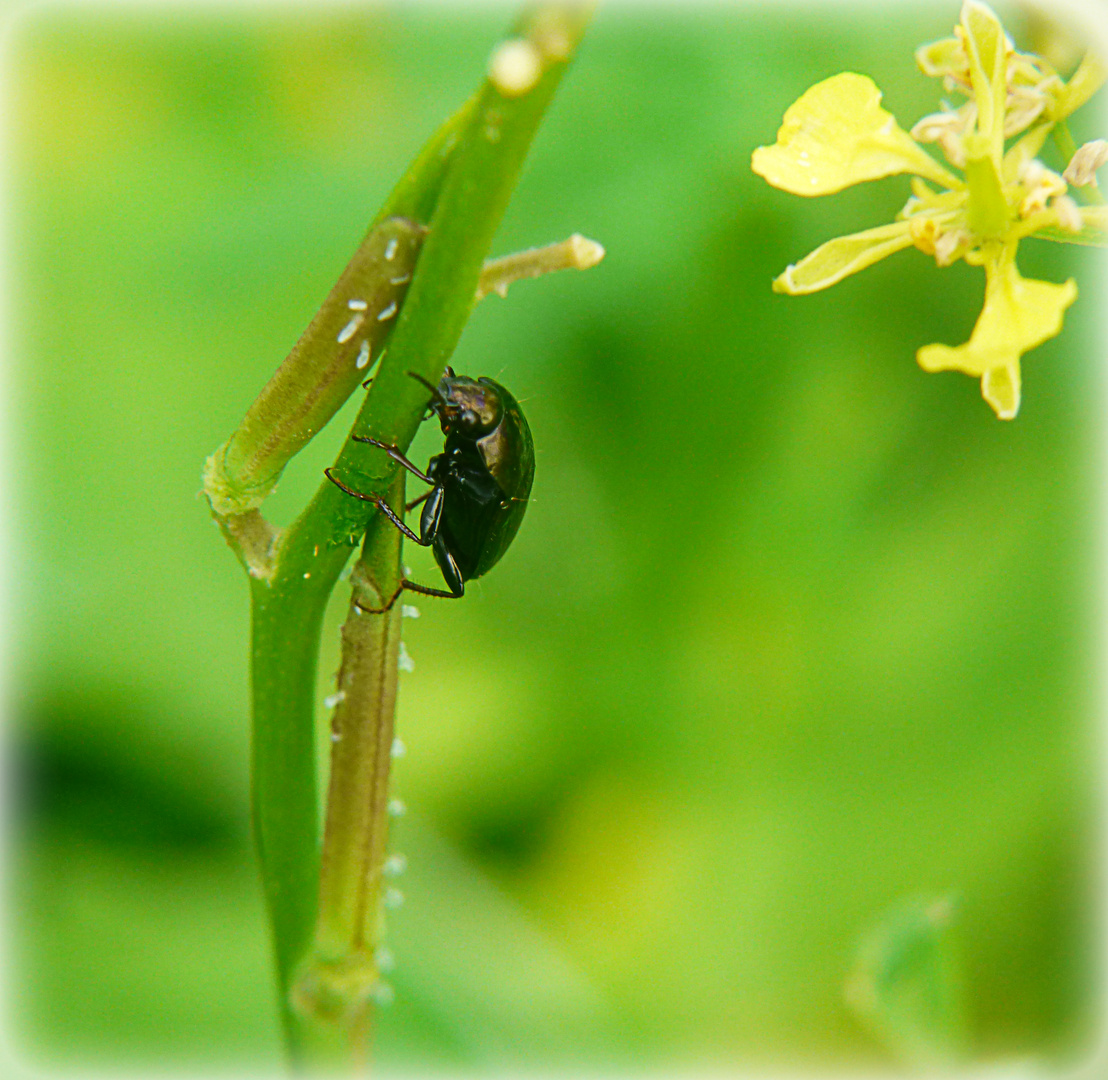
<point>792,633</point>
<point>907,984</point>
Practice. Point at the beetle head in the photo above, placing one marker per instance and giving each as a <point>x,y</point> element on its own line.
<point>466,406</point>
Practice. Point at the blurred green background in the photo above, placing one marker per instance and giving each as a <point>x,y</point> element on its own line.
<point>793,633</point>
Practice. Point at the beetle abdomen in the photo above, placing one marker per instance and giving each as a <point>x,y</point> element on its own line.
<point>471,506</point>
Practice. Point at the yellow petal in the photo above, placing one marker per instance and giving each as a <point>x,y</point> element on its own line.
<point>1085,81</point>
<point>844,255</point>
<point>1000,387</point>
<point>987,49</point>
<point>836,135</point>
<point>1018,315</point>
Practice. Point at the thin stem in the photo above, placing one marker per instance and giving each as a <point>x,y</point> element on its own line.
<point>287,619</point>
<point>480,180</point>
<point>325,367</point>
<point>1063,139</point>
<point>252,538</point>
<point>343,340</point>
<point>293,574</point>
<point>576,253</point>
<point>483,153</point>
<point>336,982</point>
<point>338,978</point>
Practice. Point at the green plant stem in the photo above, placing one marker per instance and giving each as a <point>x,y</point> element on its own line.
<point>324,368</point>
<point>287,619</point>
<point>576,253</point>
<point>357,822</point>
<point>482,174</point>
<point>483,153</point>
<point>338,978</point>
<point>1063,139</point>
<point>292,576</point>
<point>334,354</point>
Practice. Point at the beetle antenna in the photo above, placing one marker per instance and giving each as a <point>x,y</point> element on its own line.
<point>435,395</point>
<point>439,405</point>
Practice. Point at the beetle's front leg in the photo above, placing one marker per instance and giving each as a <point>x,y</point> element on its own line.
<point>381,505</point>
<point>395,454</point>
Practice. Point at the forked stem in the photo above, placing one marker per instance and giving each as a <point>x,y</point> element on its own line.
<point>448,206</point>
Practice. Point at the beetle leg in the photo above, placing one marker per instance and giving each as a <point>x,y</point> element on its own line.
<point>395,454</point>
<point>415,502</point>
<point>426,590</point>
<point>449,567</point>
<point>450,572</point>
<point>398,522</point>
<point>379,503</point>
<point>432,514</point>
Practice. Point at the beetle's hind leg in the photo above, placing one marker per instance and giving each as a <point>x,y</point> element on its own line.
<point>381,505</point>
<point>450,572</point>
<point>396,455</point>
<point>426,590</point>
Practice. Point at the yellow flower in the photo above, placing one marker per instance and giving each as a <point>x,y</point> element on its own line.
<point>1018,315</point>
<point>837,134</point>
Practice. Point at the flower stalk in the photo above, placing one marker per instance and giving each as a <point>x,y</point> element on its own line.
<point>292,573</point>
<point>334,354</point>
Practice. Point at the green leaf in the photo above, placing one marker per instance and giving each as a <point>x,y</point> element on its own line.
<point>906,986</point>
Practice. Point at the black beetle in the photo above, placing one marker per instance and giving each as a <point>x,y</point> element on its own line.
<point>480,482</point>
